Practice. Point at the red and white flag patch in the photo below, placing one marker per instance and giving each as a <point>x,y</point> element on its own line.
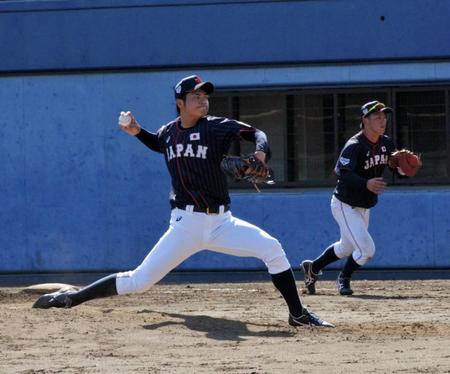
<point>194,136</point>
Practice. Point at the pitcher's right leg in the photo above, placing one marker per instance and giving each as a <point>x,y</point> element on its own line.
<point>183,238</point>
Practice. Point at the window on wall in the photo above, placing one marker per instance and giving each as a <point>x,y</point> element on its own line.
<point>307,130</point>
<point>220,106</point>
<point>312,138</point>
<point>268,111</point>
<point>421,127</point>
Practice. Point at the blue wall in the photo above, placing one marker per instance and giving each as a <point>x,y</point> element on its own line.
<point>411,228</point>
<point>79,194</point>
<point>82,34</point>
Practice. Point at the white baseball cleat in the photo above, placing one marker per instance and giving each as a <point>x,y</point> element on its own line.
<point>308,319</point>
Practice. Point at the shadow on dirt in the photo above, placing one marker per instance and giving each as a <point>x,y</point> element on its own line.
<point>222,328</point>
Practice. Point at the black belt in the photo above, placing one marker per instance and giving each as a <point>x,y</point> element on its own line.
<point>209,210</point>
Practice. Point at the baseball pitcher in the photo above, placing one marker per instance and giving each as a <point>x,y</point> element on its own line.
<point>193,146</point>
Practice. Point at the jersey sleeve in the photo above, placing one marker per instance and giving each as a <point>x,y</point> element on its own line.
<point>242,131</point>
<point>346,167</point>
<point>348,159</point>
<point>152,141</point>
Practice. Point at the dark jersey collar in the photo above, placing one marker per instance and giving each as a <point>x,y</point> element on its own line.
<point>178,123</point>
<point>365,139</point>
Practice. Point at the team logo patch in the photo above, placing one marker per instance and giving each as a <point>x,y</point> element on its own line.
<point>383,148</point>
<point>194,136</point>
<point>178,218</point>
<point>344,161</point>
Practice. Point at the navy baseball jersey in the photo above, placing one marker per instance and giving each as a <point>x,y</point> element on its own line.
<point>359,161</point>
<point>193,157</point>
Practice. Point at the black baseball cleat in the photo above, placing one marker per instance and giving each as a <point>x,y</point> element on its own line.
<point>308,319</point>
<point>310,277</point>
<point>58,299</point>
<point>343,286</point>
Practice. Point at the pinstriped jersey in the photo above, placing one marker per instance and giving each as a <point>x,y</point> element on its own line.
<point>193,157</point>
<point>359,161</point>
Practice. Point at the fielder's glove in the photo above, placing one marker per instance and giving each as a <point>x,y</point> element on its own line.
<point>406,162</point>
<point>247,168</point>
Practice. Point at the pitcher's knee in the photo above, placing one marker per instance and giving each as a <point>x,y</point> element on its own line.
<point>278,264</point>
<point>276,260</point>
<point>133,282</point>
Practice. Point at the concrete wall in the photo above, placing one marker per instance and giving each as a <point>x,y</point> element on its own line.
<point>83,34</point>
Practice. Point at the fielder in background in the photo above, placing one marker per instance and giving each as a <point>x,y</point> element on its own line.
<point>193,146</point>
<point>359,168</point>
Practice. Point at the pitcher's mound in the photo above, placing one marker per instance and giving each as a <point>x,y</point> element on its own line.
<point>47,288</point>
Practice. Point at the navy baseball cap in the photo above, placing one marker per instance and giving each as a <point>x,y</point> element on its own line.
<point>192,83</point>
<point>374,106</point>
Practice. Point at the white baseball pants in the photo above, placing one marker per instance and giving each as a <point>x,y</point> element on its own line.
<point>355,238</point>
<point>190,232</point>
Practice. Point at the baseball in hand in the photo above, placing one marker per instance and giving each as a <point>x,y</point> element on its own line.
<point>124,118</point>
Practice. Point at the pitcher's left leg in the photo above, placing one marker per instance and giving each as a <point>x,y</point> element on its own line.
<point>239,238</point>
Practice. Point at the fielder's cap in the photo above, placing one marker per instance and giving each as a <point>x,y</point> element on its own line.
<point>192,83</point>
<point>374,106</point>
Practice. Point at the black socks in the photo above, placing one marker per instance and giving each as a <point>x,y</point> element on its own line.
<point>102,288</point>
<point>349,267</point>
<point>327,257</point>
<point>285,283</point>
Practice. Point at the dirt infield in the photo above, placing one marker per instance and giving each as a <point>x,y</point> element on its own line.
<point>387,327</point>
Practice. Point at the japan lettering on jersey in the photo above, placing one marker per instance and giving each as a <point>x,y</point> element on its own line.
<point>376,159</point>
<point>366,159</point>
<point>186,150</point>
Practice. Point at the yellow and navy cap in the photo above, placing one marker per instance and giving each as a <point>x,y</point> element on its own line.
<point>374,106</point>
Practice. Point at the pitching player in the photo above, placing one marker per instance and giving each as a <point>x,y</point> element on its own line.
<point>193,146</point>
<point>358,169</point>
